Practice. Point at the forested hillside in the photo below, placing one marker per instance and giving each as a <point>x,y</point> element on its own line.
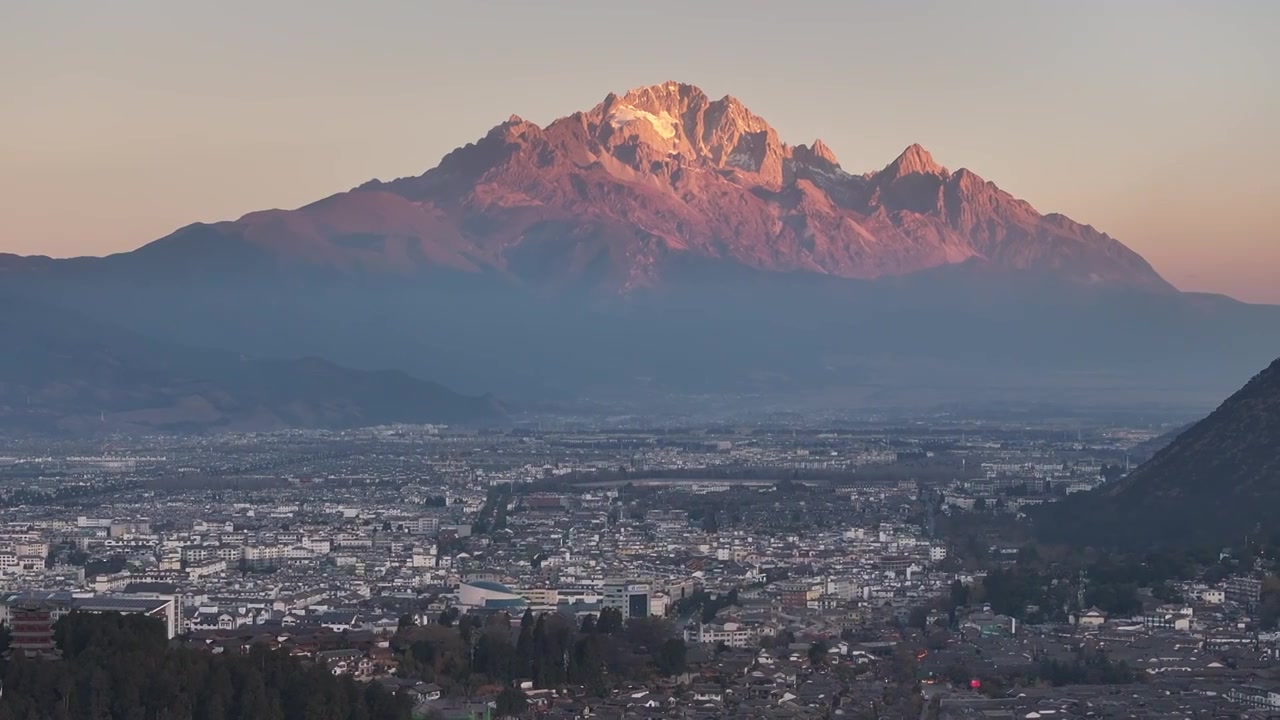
<point>1217,482</point>
<point>116,667</point>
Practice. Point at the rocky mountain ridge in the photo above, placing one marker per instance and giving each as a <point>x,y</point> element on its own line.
<point>612,197</point>
<point>665,171</point>
<point>662,241</point>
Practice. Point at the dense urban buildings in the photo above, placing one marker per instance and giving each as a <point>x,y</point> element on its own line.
<point>796,568</point>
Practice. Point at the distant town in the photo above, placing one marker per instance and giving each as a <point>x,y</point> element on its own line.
<point>755,572</point>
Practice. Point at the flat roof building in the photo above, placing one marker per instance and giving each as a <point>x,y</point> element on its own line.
<point>165,608</point>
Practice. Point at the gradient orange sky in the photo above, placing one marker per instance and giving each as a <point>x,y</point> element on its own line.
<point>1154,121</point>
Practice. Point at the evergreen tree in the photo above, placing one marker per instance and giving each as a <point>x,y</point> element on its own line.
<point>524,646</point>
<point>121,668</point>
<point>671,657</point>
<point>818,652</point>
<point>610,621</point>
<point>542,658</point>
<point>512,703</point>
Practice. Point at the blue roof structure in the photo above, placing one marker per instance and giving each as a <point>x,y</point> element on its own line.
<point>492,586</point>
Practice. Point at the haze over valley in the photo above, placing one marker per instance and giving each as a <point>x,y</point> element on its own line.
<point>679,247</point>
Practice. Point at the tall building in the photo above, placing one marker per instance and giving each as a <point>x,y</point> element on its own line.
<point>629,598</point>
<point>31,632</point>
<point>1246,591</point>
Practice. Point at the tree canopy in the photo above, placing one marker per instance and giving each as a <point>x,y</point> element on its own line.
<point>119,667</point>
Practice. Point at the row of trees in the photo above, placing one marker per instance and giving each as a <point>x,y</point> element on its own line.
<point>1087,669</point>
<point>1056,585</point>
<point>62,494</point>
<point>493,514</point>
<point>116,667</point>
<point>702,605</point>
<point>549,650</point>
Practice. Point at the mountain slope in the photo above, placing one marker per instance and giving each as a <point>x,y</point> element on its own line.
<point>666,242</point>
<point>62,374</point>
<point>611,196</point>
<point>1147,449</point>
<point>1217,480</point>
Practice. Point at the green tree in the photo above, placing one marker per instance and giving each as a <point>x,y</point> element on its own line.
<point>610,621</point>
<point>671,657</point>
<point>818,653</point>
<point>512,703</point>
<point>710,524</point>
<point>121,667</point>
<point>524,645</point>
<point>918,617</point>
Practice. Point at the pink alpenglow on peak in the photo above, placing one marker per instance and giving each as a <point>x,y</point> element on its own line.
<point>663,173</point>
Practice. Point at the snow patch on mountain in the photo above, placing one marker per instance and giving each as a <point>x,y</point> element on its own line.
<point>663,123</point>
<point>741,160</point>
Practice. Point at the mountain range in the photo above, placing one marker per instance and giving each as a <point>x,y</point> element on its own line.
<point>666,243</point>
<point>62,374</point>
<point>1216,482</point>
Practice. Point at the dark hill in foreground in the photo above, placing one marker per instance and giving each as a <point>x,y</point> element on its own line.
<point>1216,482</point>
<point>1147,449</point>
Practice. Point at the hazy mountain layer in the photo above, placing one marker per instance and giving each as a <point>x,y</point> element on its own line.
<point>666,242</point>
<point>60,373</point>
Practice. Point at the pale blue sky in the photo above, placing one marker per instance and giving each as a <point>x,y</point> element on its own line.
<point>1151,120</point>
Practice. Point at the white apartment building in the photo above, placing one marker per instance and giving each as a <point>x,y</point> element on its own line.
<point>731,634</point>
